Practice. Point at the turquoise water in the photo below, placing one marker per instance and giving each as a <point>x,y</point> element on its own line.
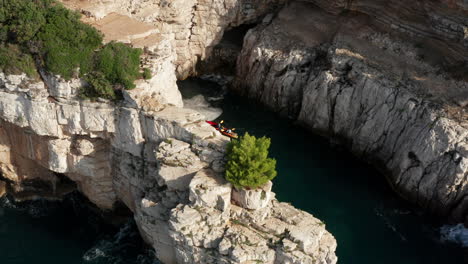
<point>371,224</point>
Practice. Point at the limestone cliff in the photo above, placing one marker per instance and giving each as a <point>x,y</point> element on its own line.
<point>388,80</point>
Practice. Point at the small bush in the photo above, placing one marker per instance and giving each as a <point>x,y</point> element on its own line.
<point>22,19</point>
<point>146,74</point>
<point>98,86</point>
<point>119,63</point>
<point>14,61</point>
<point>248,163</point>
<point>67,43</point>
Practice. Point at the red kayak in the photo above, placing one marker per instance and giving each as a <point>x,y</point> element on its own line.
<point>223,130</point>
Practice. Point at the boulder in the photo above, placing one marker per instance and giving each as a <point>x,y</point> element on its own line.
<point>178,164</point>
<point>253,199</point>
<point>84,147</point>
<point>210,189</point>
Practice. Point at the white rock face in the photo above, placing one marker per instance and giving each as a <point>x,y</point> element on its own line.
<point>253,199</point>
<point>353,83</point>
<point>209,189</point>
<point>178,164</point>
<point>61,88</point>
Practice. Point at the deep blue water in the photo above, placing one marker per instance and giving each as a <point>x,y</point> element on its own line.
<point>371,224</point>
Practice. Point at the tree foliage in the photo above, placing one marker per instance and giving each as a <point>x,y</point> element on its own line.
<point>61,44</point>
<point>98,86</point>
<point>14,61</point>
<point>119,63</point>
<point>66,43</point>
<point>248,163</point>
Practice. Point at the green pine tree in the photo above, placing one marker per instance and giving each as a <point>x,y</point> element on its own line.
<point>248,164</point>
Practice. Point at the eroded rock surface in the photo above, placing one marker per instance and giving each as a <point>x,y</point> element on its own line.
<point>356,80</point>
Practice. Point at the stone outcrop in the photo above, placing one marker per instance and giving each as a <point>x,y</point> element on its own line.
<point>192,26</point>
<point>367,78</point>
<point>253,199</point>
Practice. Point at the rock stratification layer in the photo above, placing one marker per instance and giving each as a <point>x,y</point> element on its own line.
<point>357,78</point>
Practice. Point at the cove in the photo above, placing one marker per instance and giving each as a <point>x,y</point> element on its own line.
<point>371,224</point>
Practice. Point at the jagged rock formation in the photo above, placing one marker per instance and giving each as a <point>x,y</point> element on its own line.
<point>192,26</point>
<point>373,78</point>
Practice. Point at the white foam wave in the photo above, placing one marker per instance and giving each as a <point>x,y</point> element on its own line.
<point>6,203</point>
<point>457,234</point>
<point>93,254</point>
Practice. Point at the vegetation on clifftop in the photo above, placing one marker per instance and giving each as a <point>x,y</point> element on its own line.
<point>14,61</point>
<point>45,34</point>
<point>248,163</point>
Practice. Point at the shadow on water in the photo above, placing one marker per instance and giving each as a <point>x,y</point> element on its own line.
<point>371,223</point>
<point>69,231</point>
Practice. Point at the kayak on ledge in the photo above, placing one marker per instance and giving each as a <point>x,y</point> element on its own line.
<point>225,131</point>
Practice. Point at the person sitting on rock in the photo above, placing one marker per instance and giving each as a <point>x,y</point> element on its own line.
<point>219,126</point>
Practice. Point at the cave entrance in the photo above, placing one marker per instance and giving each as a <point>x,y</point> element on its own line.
<point>222,59</point>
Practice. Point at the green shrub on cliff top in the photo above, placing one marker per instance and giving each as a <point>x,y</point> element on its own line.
<point>61,44</point>
<point>248,163</point>
<point>97,86</point>
<point>119,63</point>
<point>14,61</point>
<point>21,19</point>
<point>66,43</point>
